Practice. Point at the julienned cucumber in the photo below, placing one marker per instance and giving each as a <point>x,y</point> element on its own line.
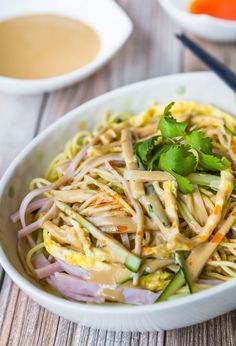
<point>133,262</point>
<point>179,259</point>
<point>178,280</point>
<point>173,286</point>
<point>123,276</point>
<point>148,267</point>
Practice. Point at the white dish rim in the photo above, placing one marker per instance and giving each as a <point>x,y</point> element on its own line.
<point>68,78</point>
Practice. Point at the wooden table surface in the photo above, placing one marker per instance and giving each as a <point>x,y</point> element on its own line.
<point>151,51</point>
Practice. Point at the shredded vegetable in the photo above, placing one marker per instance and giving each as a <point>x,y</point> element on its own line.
<point>138,211</point>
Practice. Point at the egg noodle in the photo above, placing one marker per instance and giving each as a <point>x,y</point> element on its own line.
<point>140,210</point>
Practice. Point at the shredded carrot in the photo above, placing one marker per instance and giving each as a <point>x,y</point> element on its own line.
<point>217,209</point>
<point>233,213</point>
<point>104,202</point>
<point>140,233</point>
<point>121,228</point>
<point>190,246</point>
<point>234,145</point>
<point>217,238</point>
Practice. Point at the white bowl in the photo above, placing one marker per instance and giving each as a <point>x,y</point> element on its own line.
<point>33,161</point>
<point>208,27</point>
<point>105,16</point>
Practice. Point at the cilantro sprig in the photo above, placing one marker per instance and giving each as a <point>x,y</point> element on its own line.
<point>203,146</point>
<point>198,141</point>
<point>143,151</point>
<point>169,126</point>
<point>178,151</point>
<point>179,162</point>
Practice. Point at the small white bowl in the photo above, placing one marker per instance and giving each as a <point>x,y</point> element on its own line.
<point>32,162</point>
<point>104,16</point>
<point>204,26</point>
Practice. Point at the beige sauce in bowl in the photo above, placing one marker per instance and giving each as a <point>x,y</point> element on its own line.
<point>43,46</point>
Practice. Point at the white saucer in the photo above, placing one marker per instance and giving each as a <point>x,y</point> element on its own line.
<point>207,27</point>
<point>105,16</point>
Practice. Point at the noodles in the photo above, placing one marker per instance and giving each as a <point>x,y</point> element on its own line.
<point>30,254</point>
<point>107,211</point>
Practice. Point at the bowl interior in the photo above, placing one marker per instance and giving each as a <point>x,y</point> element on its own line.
<point>33,161</point>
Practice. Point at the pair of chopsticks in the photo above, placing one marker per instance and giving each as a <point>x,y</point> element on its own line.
<point>227,75</point>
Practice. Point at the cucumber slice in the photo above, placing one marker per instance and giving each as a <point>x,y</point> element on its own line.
<point>133,262</point>
<point>173,286</point>
<point>118,251</point>
<point>179,259</point>
<point>151,265</point>
<point>148,267</point>
<point>123,276</point>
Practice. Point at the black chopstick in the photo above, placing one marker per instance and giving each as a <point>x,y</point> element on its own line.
<point>228,76</point>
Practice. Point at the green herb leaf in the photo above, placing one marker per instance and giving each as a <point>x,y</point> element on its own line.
<point>170,127</point>
<point>179,159</point>
<point>167,110</point>
<point>158,150</point>
<point>143,150</point>
<point>184,183</point>
<point>140,163</point>
<point>203,145</point>
<point>179,162</point>
<point>211,162</point>
<point>198,141</point>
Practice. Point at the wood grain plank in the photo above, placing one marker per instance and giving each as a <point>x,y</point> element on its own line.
<point>18,119</point>
<point>217,332</point>
<point>64,334</point>
<point>81,335</point>
<point>225,52</point>
<point>33,314</point>
<point>16,328</point>
<point>7,309</point>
